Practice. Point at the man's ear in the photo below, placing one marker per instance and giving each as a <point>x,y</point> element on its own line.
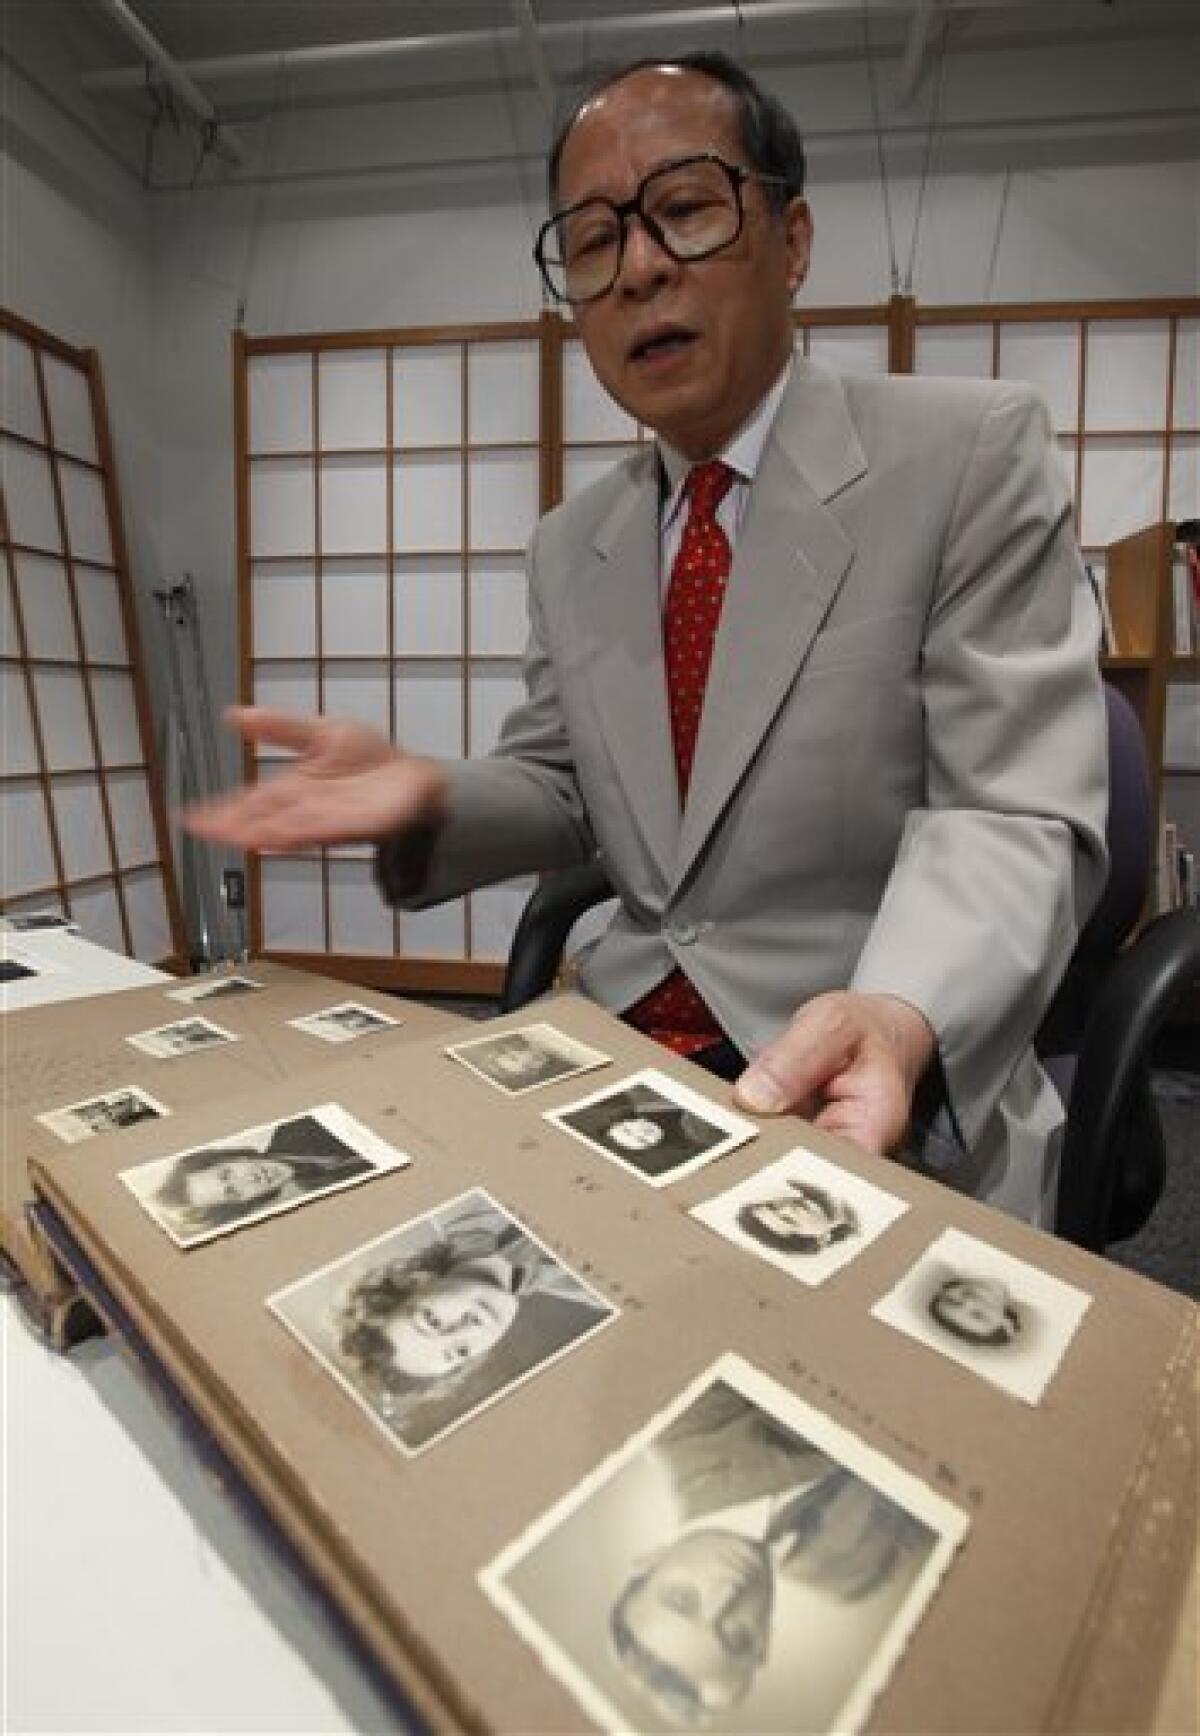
<point>798,233</point>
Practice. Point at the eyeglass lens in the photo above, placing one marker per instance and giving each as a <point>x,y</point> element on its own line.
<point>692,210</point>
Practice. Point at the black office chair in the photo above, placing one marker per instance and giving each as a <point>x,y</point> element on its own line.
<point>1097,1037</point>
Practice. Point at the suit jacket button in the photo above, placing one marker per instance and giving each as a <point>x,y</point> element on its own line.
<point>684,933</point>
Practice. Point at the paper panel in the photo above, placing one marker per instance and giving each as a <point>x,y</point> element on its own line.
<point>72,424</point>
<point>29,496</point>
<point>429,606</point>
<point>62,713</point>
<point>149,920</point>
<point>586,465</point>
<point>1184,497</point>
<point>20,747</point>
<point>46,607</point>
<point>82,836</point>
<point>352,386</point>
<point>499,611</point>
<point>354,608</point>
<point>503,499</point>
<point>429,709</point>
<point>359,921</point>
<point>280,403</point>
<point>96,910</point>
<point>494,692</point>
<point>20,406</point>
<point>1046,356</point>
<point>290,687</point>
<point>26,856</point>
<point>10,645</point>
<point>358,691</point>
<point>1185,411</point>
<point>1126,374</point>
<point>292,904</point>
<point>116,718</point>
<point>428,504</point>
<point>282,520</point>
<point>354,506</point>
<point>588,412</point>
<point>503,391</point>
<point>850,349</point>
<point>100,614</point>
<point>285,611</point>
<point>437,933</point>
<point>964,352</point>
<point>1122,488</point>
<point>495,913</point>
<point>427,396</point>
<point>132,818</point>
<point>86,513</point>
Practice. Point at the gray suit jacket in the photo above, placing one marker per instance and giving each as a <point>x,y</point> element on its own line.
<point>900,777</point>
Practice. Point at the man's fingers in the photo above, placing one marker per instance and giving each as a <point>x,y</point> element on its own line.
<point>792,1072</point>
<point>281,728</point>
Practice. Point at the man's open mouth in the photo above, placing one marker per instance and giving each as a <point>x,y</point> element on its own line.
<point>665,342</point>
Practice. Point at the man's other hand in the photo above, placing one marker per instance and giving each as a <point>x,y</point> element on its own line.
<point>848,1062</point>
<point>345,784</point>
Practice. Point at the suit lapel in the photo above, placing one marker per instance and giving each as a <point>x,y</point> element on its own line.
<point>621,612</point>
<point>791,556</point>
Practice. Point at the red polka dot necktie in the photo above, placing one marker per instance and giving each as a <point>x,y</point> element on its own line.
<point>674,1013</point>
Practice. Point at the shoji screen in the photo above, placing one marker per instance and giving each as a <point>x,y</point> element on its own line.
<point>389,490</point>
<point>848,340</point>
<point>81,820</point>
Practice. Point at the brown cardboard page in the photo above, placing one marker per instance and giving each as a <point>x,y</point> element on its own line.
<point>1054,1589</point>
<point>66,1052</point>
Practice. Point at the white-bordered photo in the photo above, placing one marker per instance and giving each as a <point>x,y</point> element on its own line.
<point>343,1022</point>
<point>653,1126</point>
<point>209,1190</point>
<point>802,1214</point>
<point>520,1060</point>
<point>741,1564</point>
<point>36,922</point>
<point>428,1325</point>
<point>183,1037</point>
<point>15,966</point>
<point>214,988</point>
<point>1003,1319</point>
<point>124,1106</point>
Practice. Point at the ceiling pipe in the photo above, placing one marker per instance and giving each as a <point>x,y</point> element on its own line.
<point>225,142</point>
<point>522,11</point>
<point>219,68</point>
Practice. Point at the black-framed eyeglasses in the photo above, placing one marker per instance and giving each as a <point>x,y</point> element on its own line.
<point>690,209</point>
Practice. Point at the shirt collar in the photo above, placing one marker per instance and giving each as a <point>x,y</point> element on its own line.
<point>742,453</point>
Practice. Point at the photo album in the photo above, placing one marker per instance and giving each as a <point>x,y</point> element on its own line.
<point>590,1403</point>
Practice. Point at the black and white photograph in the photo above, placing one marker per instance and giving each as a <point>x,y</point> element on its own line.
<point>123,1107</point>
<point>803,1214</point>
<point>14,969</point>
<point>654,1127</point>
<point>1003,1319</point>
<point>343,1022</point>
<point>742,1563</point>
<point>35,922</point>
<point>214,988</point>
<point>432,1323</point>
<point>183,1037</point>
<point>521,1060</point>
<point>209,1190</point>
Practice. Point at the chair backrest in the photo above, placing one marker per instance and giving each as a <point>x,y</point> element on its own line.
<point>1131,839</point>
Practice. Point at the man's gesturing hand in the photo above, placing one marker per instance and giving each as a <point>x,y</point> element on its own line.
<point>346,783</point>
<point>849,1062</point>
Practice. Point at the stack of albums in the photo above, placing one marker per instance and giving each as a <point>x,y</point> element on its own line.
<point>76,1072</point>
<point>591,1404</point>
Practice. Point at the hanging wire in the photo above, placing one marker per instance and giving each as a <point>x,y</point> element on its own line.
<point>930,137</point>
<point>158,114</point>
<point>893,261</point>
<point>990,280</point>
<point>260,194</point>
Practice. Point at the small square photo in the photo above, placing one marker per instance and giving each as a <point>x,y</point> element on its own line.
<point>428,1325</point>
<point>653,1126</point>
<point>993,1314</point>
<point>184,1037</point>
<point>802,1214</point>
<point>214,988</point>
<point>210,1190</point>
<point>343,1022</point>
<point>521,1060</point>
<point>124,1107</point>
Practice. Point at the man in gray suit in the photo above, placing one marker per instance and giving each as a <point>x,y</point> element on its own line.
<point>893,826</point>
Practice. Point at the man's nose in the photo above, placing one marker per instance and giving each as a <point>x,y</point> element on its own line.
<point>645,263</point>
